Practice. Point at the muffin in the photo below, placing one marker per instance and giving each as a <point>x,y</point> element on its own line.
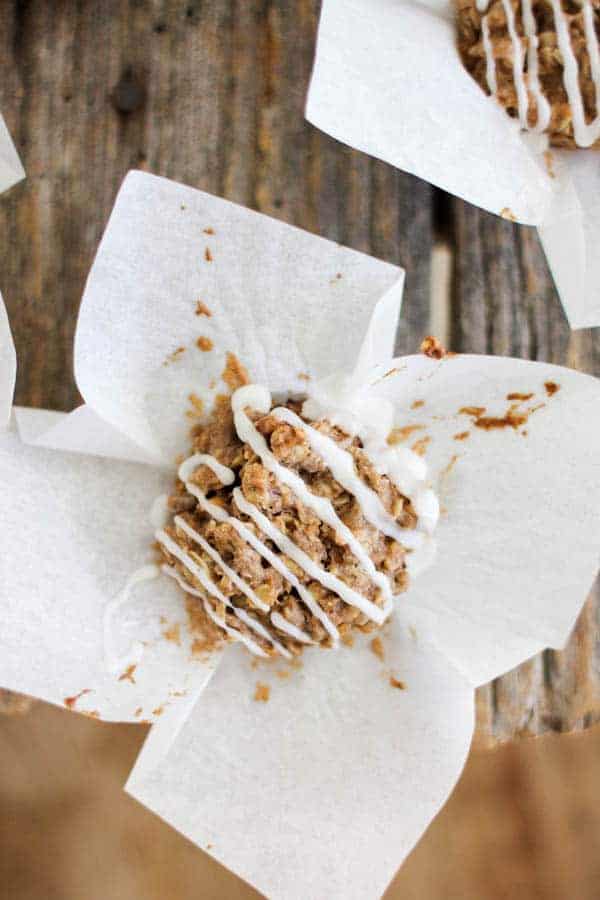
<point>540,60</point>
<point>286,532</point>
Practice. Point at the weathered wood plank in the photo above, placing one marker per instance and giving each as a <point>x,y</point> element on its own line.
<point>504,302</point>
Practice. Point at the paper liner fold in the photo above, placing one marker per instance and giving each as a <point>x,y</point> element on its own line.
<point>274,293</point>
<point>325,788</point>
<point>389,81</point>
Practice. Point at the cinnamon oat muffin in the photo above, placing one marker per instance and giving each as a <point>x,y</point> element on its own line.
<point>540,59</point>
<point>288,532</point>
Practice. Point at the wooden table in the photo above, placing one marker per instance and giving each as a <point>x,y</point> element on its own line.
<point>212,94</point>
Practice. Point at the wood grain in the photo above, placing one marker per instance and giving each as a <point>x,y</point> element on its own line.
<point>212,94</point>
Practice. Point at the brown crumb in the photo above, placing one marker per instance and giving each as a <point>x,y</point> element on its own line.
<point>303,376</point>
<point>433,348</point>
<point>158,711</point>
<point>138,712</point>
<point>524,432</point>
<point>172,357</point>
<point>204,343</point>
<point>397,435</point>
<point>517,396</point>
<point>234,374</point>
<point>462,435</point>
<point>128,674</point>
<point>377,648</point>
<point>173,634</point>
<point>202,309</point>
<point>262,692</point>
<point>475,411</point>
<point>417,404</point>
<point>507,213</point>
<point>209,846</point>
<point>510,419</point>
<point>396,683</point>
<point>208,255</point>
<point>551,388</point>
<point>208,230</point>
<point>283,673</point>
<point>420,447</point>
<point>549,160</point>
<point>71,701</point>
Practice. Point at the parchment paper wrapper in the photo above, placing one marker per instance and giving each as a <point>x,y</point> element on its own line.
<point>11,169</point>
<point>388,80</point>
<point>323,790</point>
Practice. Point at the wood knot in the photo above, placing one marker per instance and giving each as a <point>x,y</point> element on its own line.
<point>129,94</point>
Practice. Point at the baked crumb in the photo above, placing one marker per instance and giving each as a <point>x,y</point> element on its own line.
<point>202,309</point>
<point>204,343</point>
<point>433,348</point>
<point>377,648</point>
<point>208,255</point>
<point>551,388</point>
<point>262,692</point>
<point>396,683</point>
<point>128,674</point>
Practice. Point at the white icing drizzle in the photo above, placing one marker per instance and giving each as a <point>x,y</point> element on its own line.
<point>341,465</point>
<point>272,558</point>
<point>114,662</point>
<point>585,134</point>
<point>490,62</point>
<point>329,581</point>
<point>218,559</point>
<point>289,628</point>
<point>189,466</point>
<point>259,398</point>
<point>232,632</point>
<point>211,588</point>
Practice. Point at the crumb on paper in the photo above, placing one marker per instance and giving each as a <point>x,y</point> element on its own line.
<point>209,846</point>
<point>551,388</point>
<point>391,372</point>
<point>397,435</point>
<point>507,213</point>
<point>283,673</point>
<point>513,418</point>
<point>208,255</point>
<point>433,348</point>
<point>303,376</point>
<point>138,712</point>
<point>173,634</point>
<point>202,309</point>
<point>71,701</point>
<point>517,396</point>
<point>462,435</point>
<point>234,374</point>
<point>475,411</point>
<point>549,160</point>
<point>420,446</point>
<point>204,343</point>
<point>254,662</point>
<point>158,711</point>
<point>396,683</point>
<point>177,693</point>
<point>172,357</point>
<point>262,692</point>
<point>197,411</point>
<point>377,648</point>
<point>208,230</point>
<point>128,673</point>
<point>448,468</point>
<point>417,404</point>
